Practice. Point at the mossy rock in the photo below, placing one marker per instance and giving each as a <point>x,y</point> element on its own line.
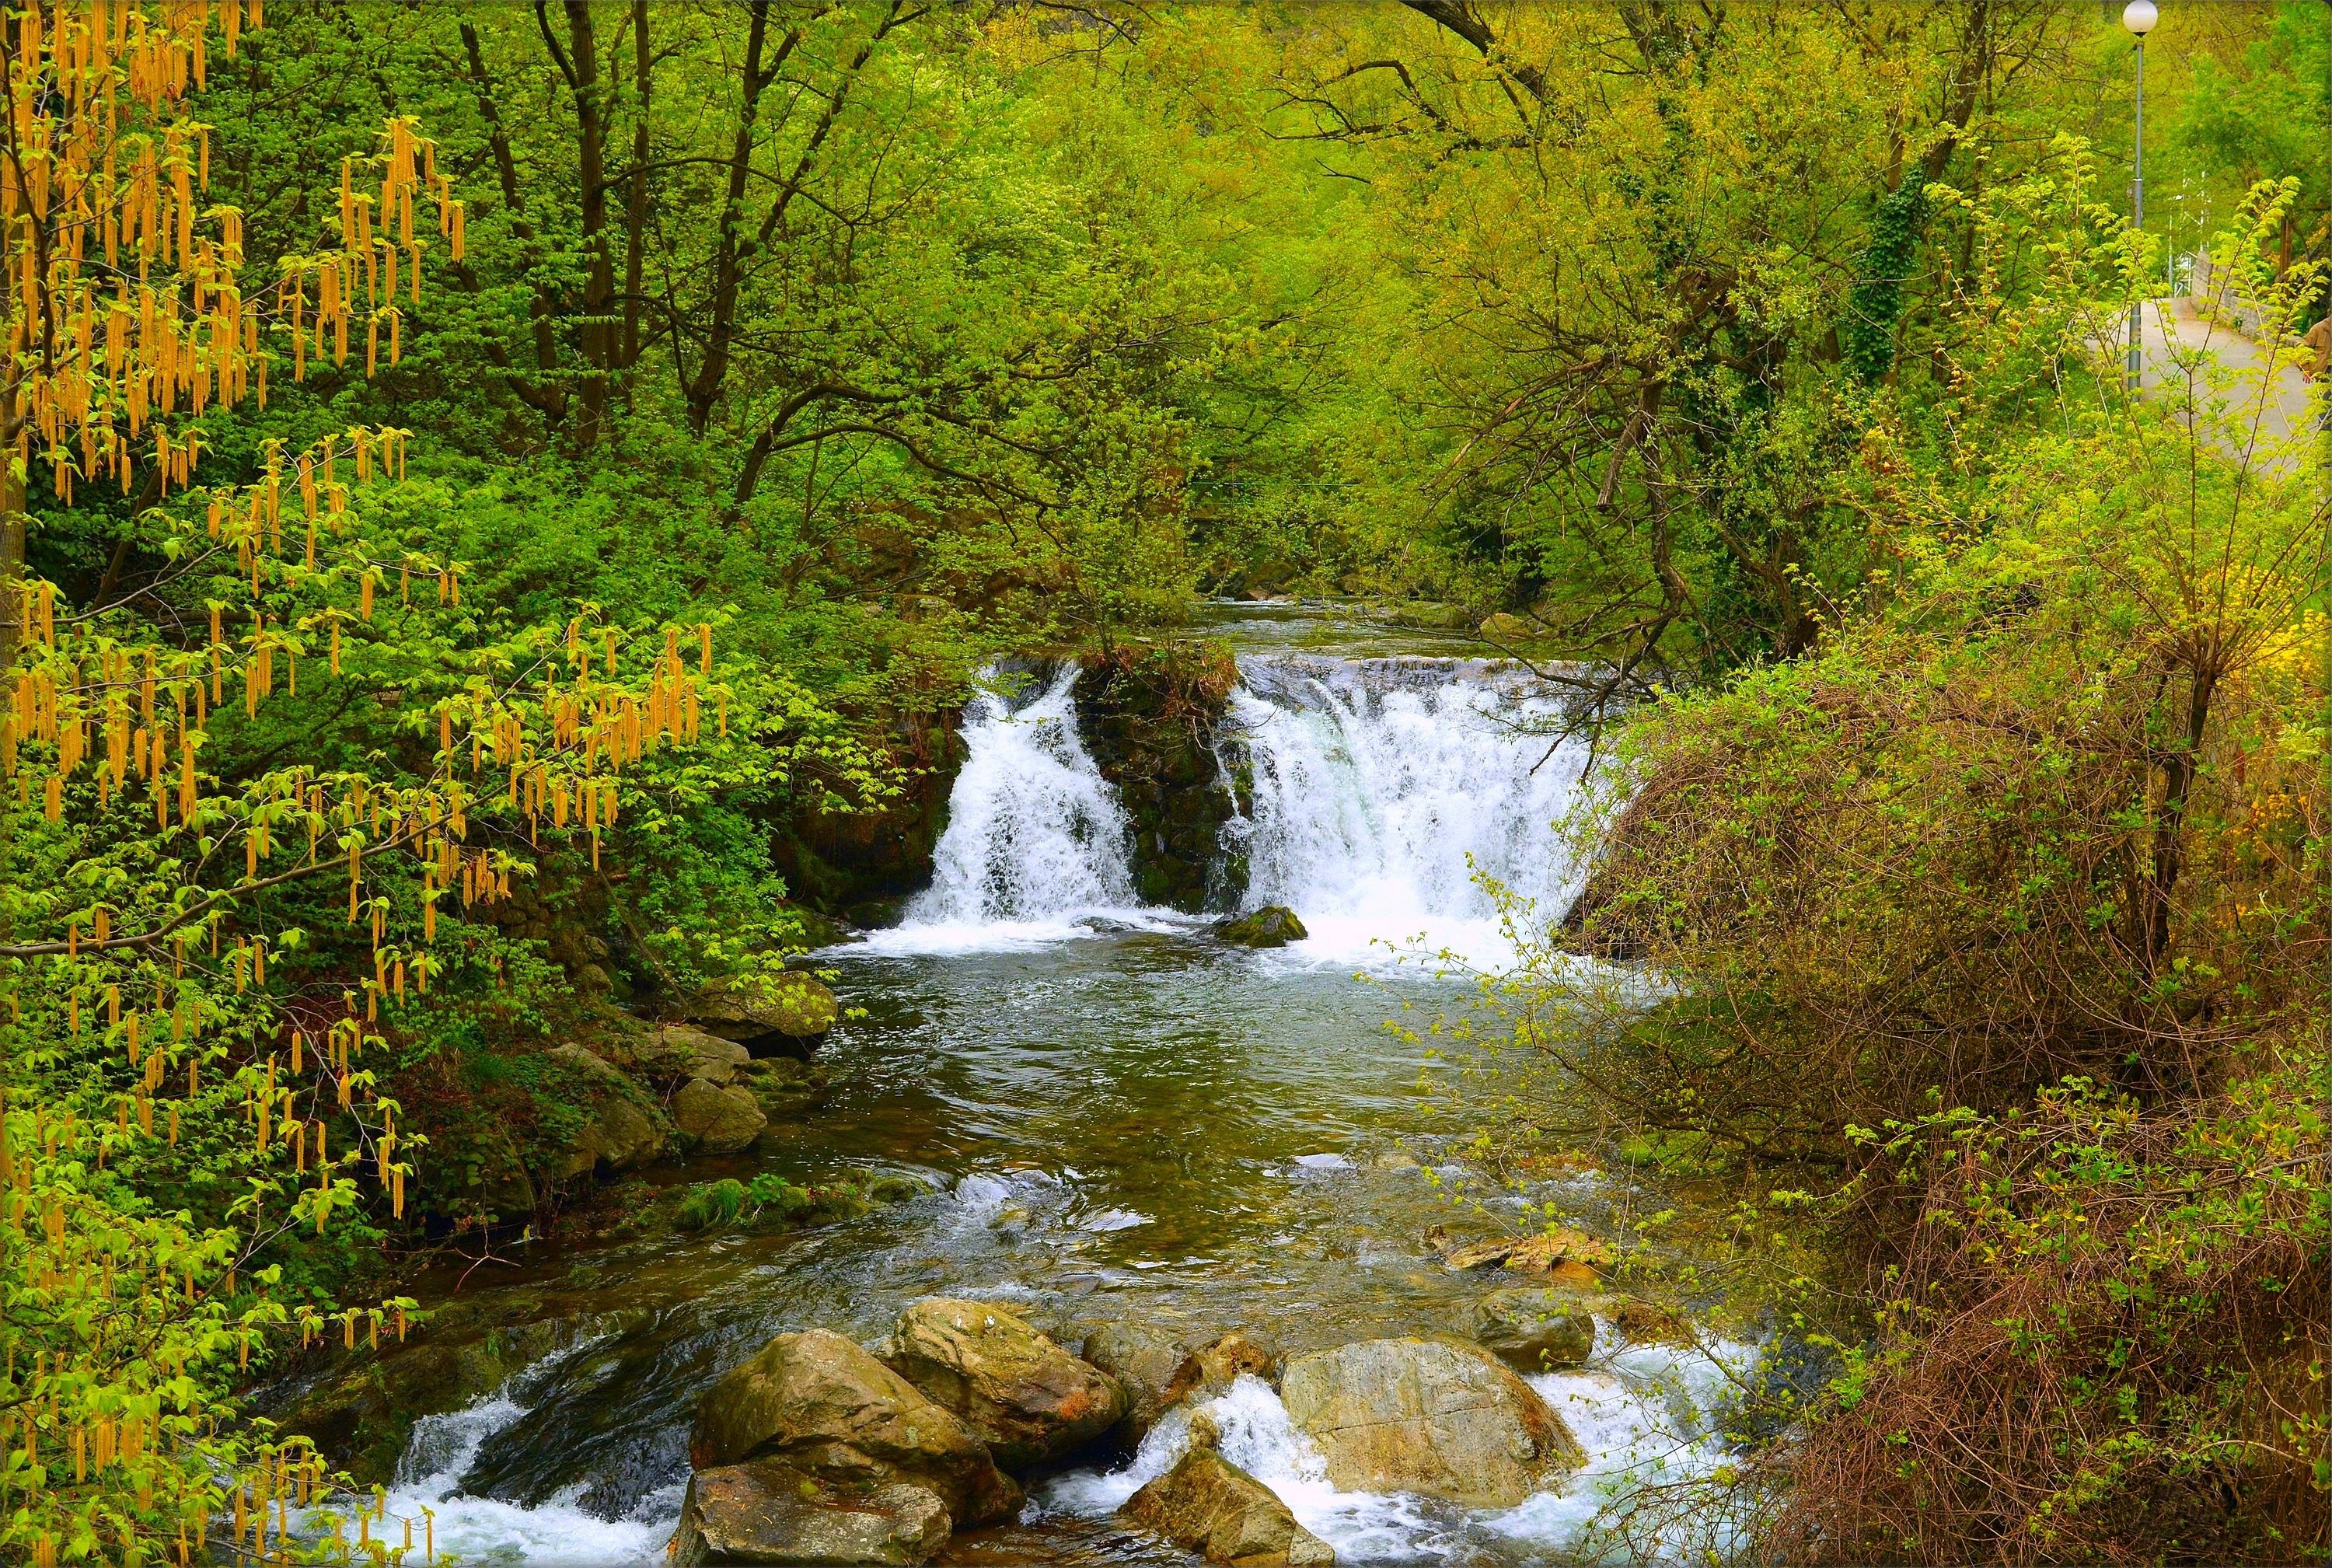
<point>781,1014</point>
<point>1272,925</point>
<point>787,1087</point>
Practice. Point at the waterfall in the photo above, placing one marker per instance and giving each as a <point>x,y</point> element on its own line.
<point>1372,793</point>
<point>1035,836</point>
<point>1381,788</point>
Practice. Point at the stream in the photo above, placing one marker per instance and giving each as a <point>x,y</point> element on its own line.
<point>1113,1115</point>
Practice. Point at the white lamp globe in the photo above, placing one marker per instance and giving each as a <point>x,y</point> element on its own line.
<point>2139,17</point>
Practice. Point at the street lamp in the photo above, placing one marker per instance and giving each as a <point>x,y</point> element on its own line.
<point>2139,17</point>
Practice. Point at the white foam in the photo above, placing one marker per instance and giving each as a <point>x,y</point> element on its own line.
<point>1644,1418</point>
<point>557,1532</point>
<point>947,938</point>
<point>1036,840</point>
<point>1379,801</point>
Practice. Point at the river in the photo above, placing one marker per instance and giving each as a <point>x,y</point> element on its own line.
<point>1114,1115</point>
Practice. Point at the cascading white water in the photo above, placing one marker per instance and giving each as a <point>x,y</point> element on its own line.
<point>1036,839</point>
<point>1383,787</point>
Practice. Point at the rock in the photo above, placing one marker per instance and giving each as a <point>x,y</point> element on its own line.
<point>1645,1324</point>
<point>1509,629</point>
<point>1534,1330</point>
<point>1479,1253</point>
<point>784,1014</point>
<point>624,1130</point>
<point>1542,1253</point>
<point>1143,1361</point>
<point>1148,714</point>
<point>1431,615</point>
<point>767,1511</point>
<point>504,1190</point>
<point>876,853</point>
<point>1272,925</point>
<point>1573,1276</point>
<point>679,1052</point>
<point>1433,1416</point>
<point>831,1412</point>
<point>812,929</point>
<point>621,1136</point>
<point>722,1119</point>
<point>1209,1505</point>
<point>1538,1254</point>
<point>1212,1370</point>
<point>361,1406</point>
<point>1027,1399</point>
<point>876,913</point>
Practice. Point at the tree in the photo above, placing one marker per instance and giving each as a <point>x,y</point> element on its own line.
<point>170,1120</point>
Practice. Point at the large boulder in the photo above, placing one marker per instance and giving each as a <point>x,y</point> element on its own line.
<point>784,1014</point>
<point>821,1404</point>
<point>1143,1358</point>
<point>679,1052</point>
<point>766,1511</point>
<point>1433,1416</point>
<point>1027,1399</point>
<point>624,1132</point>
<point>1272,925</point>
<point>1207,1505</point>
<point>722,1118</point>
<point>1535,1331</point>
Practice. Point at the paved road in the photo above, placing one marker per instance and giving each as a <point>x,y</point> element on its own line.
<point>2276,396</point>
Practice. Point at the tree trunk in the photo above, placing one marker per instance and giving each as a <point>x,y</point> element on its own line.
<point>591,157</point>
<point>635,202</point>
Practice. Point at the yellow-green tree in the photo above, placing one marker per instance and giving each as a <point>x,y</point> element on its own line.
<point>166,1120</point>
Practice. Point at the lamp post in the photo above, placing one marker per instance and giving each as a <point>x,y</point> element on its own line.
<point>2139,17</point>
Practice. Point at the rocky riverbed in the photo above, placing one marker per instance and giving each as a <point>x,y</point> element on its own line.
<point>818,1449</point>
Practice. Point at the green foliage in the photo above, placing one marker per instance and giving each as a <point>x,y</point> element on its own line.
<point>1886,260</point>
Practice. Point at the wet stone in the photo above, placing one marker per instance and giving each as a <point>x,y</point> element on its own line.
<point>768,1512</point>
<point>1272,925</point>
<point>1436,1416</point>
<point>1026,1397</point>
<point>786,1014</point>
<point>1143,1360</point>
<point>826,1407</point>
<point>721,1118</point>
<point>1534,1331</point>
<point>1212,1370</point>
<point>1211,1507</point>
